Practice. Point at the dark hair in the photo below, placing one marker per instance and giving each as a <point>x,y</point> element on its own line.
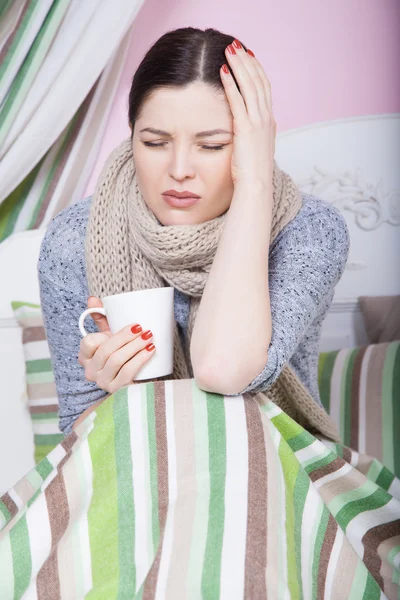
<point>177,59</point>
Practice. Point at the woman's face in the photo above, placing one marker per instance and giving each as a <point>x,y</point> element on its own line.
<point>186,161</point>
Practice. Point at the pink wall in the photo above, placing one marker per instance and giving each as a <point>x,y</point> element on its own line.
<point>324,60</point>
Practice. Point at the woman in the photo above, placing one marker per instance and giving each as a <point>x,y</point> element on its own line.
<point>169,491</point>
<point>278,261</point>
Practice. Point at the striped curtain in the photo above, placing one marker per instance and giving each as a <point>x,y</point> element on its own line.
<point>60,66</point>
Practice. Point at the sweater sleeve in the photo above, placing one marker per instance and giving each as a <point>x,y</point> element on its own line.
<point>63,297</point>
<point>306,262</point>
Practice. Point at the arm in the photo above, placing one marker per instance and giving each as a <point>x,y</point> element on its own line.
<point>306,261</point>
<point>234,316</point>
<point>63,296</point>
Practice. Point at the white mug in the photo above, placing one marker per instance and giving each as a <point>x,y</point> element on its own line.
<point>152,309</point>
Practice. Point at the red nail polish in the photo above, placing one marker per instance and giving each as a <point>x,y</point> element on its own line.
<point>136,329</point>
<point>237,44</point>
<point>231,49</point>
<point>250,52</point>
<point>150,347</point>
<point>146,335</point>
<point>225,68</point>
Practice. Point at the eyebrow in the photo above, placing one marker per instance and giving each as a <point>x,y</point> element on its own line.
<point>198,135</point>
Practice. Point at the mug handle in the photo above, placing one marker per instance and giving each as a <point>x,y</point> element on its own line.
<point>87,312</point>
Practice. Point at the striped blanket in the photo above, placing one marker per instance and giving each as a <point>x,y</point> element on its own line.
<point>168,491</point>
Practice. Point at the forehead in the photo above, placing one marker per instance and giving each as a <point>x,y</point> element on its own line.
<point>196,103</point>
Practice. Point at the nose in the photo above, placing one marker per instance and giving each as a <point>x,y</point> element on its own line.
<point>181,164</point>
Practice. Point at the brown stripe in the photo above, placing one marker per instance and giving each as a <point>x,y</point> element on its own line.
<point>67,147</point>
<point>150,584</point>
<point>256,538</point>
<point>11,37</point>
<point>325,554</point>
<point>355,398</point>
<point>47,581</point>
<point>347,454</point>
<point>10,504</point>
<point>335,465</point>
<point>371,540</point>
<point>45,408</point>
<point>33,334</point>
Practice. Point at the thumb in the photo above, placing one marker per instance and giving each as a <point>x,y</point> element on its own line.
<point>100,320</point>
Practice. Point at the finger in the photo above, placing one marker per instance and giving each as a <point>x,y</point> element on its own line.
<point>114,343</point>
<point>235,99</point>
<point>100,320</point>
<point>89,345</point>
<point>245,81</point>
<point>251,66</point>
<point>121,356</point>
<point>265,81</point>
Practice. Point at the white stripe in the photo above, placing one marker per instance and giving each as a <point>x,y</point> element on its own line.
<point>172,493</point>
<point>333,563</point>
<point>336,383</point>
<point>14,496</point>
<point>45,427</point>
<point>143,551</point>
<point>43,401</point>
<point>236,490</point>
<point>332,476</point>
<point>369,519</point>
<point>36,350</point>
<point>310,518</point>
<point>396,560</point>
<point>38,524</point>
<point>31,592</point>
<point>284,592</point>
<point>313,452</point>
<point>271,409</point>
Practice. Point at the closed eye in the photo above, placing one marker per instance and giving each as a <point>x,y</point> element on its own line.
<point>153,145</point>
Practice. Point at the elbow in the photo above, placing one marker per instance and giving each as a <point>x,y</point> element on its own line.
<point>229,379</point>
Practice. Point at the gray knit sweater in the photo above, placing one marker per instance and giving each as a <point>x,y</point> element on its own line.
<point>306,260</point>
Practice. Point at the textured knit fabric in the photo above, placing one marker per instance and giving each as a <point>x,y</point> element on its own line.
<point>306,260</point>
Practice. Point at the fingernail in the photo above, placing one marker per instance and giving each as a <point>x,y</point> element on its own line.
<point>250,52</point>
<point>231,49</point>
<point>237,44</point>
<point>150,347</point>
<point>136,329</point>
<point>146,335</point>
<point>225,68</point>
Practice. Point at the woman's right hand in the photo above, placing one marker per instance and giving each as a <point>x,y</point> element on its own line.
<point>113,360</point>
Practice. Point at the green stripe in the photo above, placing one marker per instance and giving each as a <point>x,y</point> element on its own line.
<point>359,505</point>
<point>287,426</point>
<point>327,361</point>
<point>31,65</point>
<point>12,52</point>
<point>103,507</point>
<point>390,408</point>
<point>44,468</point>
<point>385,478</point>
<point>48,439</point>
<point>38,365</point>
<point>347,399</point>
<point>300,441</point>
<point>22,560</point>
<point>45,417</point>
<point>295,490</point>
<point>151,421</point>
<point>4,6</point>
<point>17,304</point>
<point>210,584</point>
<point>126,506</point>
<point>372,590</point>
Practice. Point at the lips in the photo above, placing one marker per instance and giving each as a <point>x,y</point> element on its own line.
<point>184,194</point>
<point>180,202</point>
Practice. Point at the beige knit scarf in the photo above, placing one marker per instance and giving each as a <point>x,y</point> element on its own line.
<point>127,248</point>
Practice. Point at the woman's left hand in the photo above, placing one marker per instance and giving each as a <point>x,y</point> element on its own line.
<point>254,125</point>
